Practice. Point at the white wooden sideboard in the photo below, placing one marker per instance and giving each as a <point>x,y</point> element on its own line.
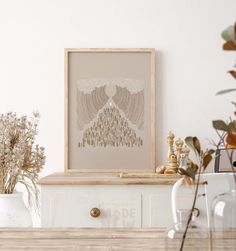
<point>108,201</point>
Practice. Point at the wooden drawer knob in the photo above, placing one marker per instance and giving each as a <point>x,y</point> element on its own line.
<point>95,212</point>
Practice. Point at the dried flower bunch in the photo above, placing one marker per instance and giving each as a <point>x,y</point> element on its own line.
<point>20,159</point>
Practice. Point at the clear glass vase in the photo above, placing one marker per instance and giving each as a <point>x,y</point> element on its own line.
<point>223,210</point>
<point>223,218</point>
<point>196,237</point>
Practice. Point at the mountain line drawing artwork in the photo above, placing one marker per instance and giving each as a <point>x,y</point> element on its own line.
<point>110,112</point>
<point>110,129</point>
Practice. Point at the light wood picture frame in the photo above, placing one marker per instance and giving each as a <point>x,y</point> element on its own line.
<point>110,110</point>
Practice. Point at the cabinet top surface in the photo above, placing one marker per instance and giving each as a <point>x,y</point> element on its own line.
<point>106,239</point>
<point>103,179</point>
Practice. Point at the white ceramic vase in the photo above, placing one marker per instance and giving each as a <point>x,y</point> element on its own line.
<point>13,212</point>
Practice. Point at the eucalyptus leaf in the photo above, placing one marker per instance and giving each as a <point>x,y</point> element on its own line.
<point>194,167</point>
<point>233,73</point>
<point>229,34</point>
<point>197,144</point>
<point>206,160</point>
<point>229,46</point>
<point>188,172</point>
<point>189,140</point>
<point>190,144</point>
<point>225,91</point>
<point>220,125</point>
<point>231,139</point>
<point>232,127</point>
<point>211,151</point>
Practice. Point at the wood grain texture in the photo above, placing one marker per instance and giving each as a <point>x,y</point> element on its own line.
<point>153,110</point>
<point>104,239</point>
<point>102,179</point>
<point>66,105</point>
<point>149,175</point>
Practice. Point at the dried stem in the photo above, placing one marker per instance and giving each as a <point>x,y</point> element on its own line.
<point>193,206</point>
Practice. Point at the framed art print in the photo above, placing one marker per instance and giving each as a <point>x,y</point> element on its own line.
<point>109,110</point>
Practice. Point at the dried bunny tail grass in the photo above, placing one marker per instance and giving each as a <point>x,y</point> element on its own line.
<point>20,159</point>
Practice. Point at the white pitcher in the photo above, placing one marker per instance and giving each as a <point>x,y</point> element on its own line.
<point>13,212</point>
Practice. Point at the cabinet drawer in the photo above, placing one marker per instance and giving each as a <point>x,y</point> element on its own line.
<point>161,208</point>
<point>63,210</point>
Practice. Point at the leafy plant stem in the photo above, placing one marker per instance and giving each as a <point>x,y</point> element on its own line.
<point>222,139</point>
<point>228,155</point>
<point>193,206</point>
